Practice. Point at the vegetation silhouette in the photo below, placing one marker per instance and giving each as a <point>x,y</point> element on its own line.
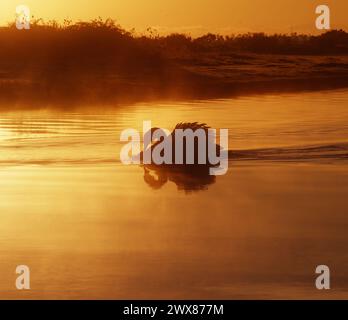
<point>100,62</point>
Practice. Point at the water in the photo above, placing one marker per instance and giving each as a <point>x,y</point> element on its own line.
<point>90,227</point>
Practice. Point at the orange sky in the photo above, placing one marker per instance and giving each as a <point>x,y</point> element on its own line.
<point>190,16</point>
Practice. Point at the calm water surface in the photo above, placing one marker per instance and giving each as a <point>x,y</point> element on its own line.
<point>90,227</point>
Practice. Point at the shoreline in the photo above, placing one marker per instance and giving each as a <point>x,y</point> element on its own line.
<point>209,77</point>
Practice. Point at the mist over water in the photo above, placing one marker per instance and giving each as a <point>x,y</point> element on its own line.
<point>90,227</point>
<point>259,122</point>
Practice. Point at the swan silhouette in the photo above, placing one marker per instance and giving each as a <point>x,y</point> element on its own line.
<point>188,177</point>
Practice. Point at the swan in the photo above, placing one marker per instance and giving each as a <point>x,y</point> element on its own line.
<point>188,177</point>
<point>186,165</point>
